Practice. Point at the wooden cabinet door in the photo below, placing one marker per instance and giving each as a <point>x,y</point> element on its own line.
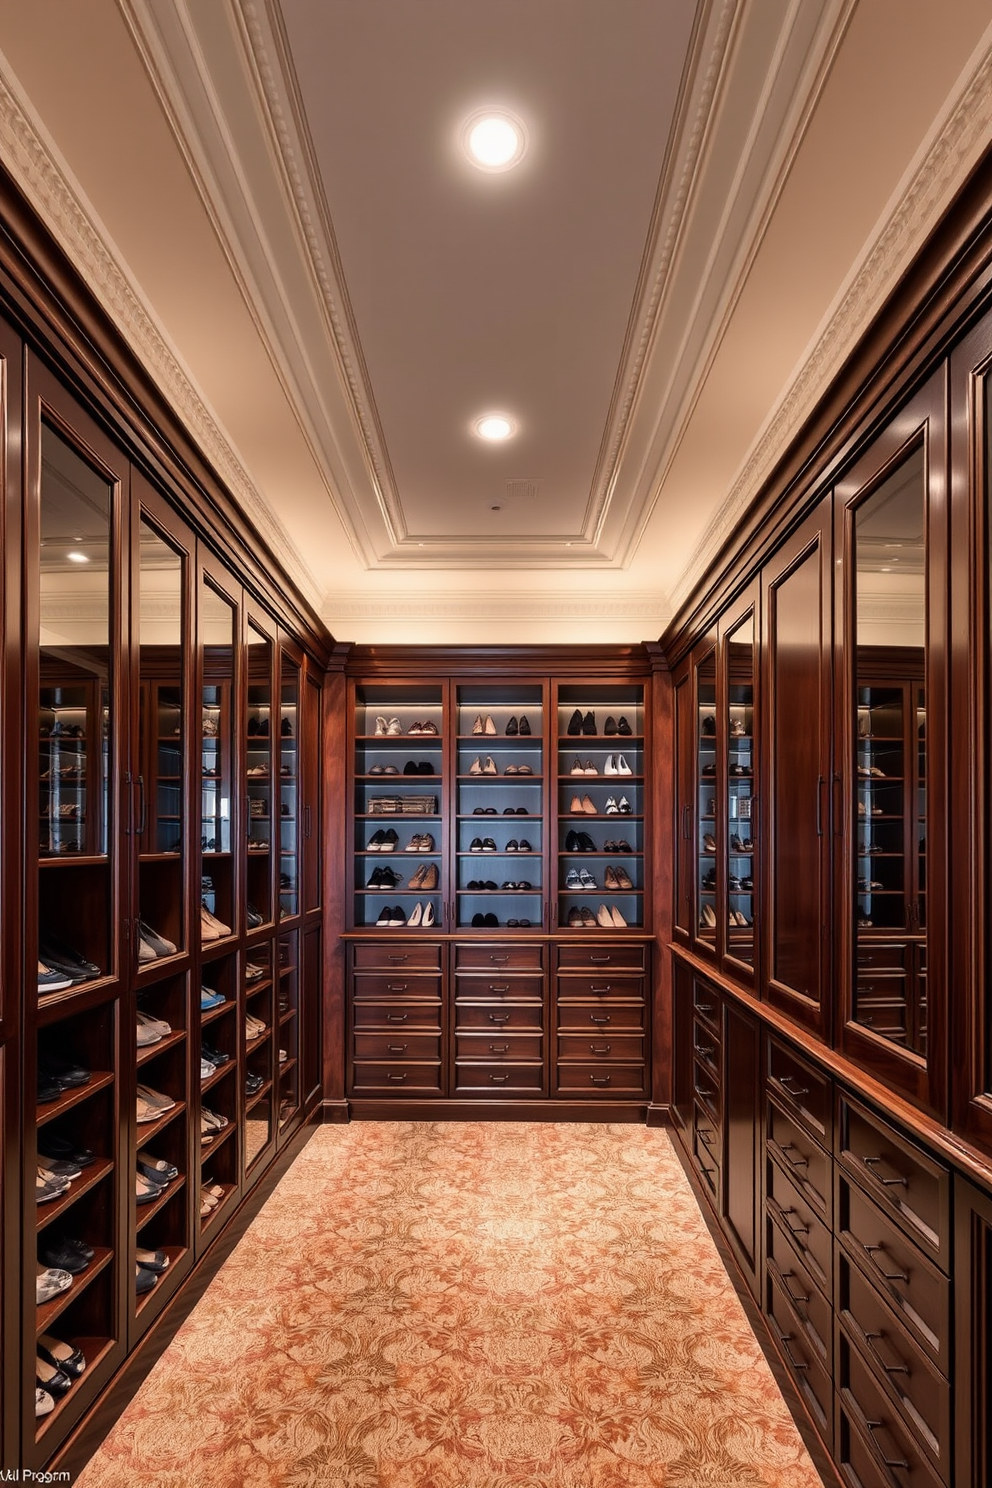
<point>973,1335</point>
<point>796,731</point>
<point>742,1140</point>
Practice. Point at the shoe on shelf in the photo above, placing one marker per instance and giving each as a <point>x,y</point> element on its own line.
<point>707,917</point>
<point>589,723</point>
<point>44,1403</point>
<point>475,845</point>
<point>709,842</point>
<point>156,1168</point>
<point>416,915</point>
<point>574,918</point>
<point>588,918</point>
<point>619,922</point>
<point>489,766</point>
<point>217,926</point>
<point>428,917</point>
<point>151,1260</point>
<point>145,1190</point>
<point>624,807</point>
<point>575,722</point>
<point>475,768</point>
<point>144,1279</point>
<point>488,845</point>
<point>380,727</point>
<point>622,766</point>
<point>210,999</point>
<point>623,727</point>
<point>489,727</point>
<point>61,1355</point>
<point>160,944</point>
<point>45,1192</point>
<point>50,980</point>
<point>523,727</point>
<point>577,767</point>
<point>610,878</point>
<point>393,729</point>
<point>490,921</point>
<point>51,1282</point>
<point>572,880</point>
<point>623,879</point>
<point>64,958</point>
<point>479,725</point>
<point>51,1379</point>
<point>53,1146</point>
<point>512,728</point>
<point>478,920</point>
<point>610,726</point>
<point>524,846</point>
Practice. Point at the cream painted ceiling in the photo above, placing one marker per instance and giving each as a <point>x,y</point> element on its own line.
<point>269,198</point>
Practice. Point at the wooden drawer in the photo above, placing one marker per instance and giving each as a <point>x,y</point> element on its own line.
<point>388,954</point>
<point>485,988</point>
<point>495,1080</point>
<point>804,1160</point>
<point>917,1292</point>
<point>397,986</point>
<point>499,1046</point>
<point>884,1016</point>
<point>616,957</point>
<point>516,1016</point>
<point>706,1048</point>
<point>608,987</point>
<point>923,1395</point>
<point>804,1360</point>
<point>622,1080</point>
<point>395,1078</point>
<point>796,1280</point>
<point>874,1442</point>
<point>391,1046</point>
<point>706,1146</point>
<point>801,1090</point>
<point>412,1017</point>
<point>599,1047</point>
<point>497,958</point>
<point>583,1018</point>
<point>906,1181</point>
<point>706,1005</point>
<point>869,955</point>
<point>706,1090</point>
<point>804,1226</point>
<point>887,989</point>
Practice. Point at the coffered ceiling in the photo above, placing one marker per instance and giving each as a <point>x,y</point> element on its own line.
<point>272,199</point>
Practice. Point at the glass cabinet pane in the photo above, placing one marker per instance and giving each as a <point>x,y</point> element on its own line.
<point>218,631</point>
<point>75,705</point>
<point>288,1015</point>
<point>706,788</point>
<point>500,781</point>
<point>289,730</point>
<point>161,746</point>
<point>890,755</point>
<point>258,771</point>
<point>739,662</point>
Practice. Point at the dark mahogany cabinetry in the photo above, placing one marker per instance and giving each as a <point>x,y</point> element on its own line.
<point>162,726</point>
<point>500,886</point>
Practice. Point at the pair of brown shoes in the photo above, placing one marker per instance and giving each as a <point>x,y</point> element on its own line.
<point>426,877</point>
<point>616,878</point>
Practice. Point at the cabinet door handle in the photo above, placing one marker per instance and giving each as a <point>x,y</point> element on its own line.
<point>600,1018</point>
<point>307,821</point>
<point>889,1461</point>
<point>397,1048</point>
<point>600,1079</point>
<point>870,1339</point>
<point>820,783</point>
<point>499,1048</point>
<point>499,1079</point>
<point>797,1229</point>
<point>794,1162</point>
<point>889,1275</point>
<point>786,1339</point>
<point>686,822</point>
<point>870,1162</point>
<point>600,1048</point>
<point>397,1079</point>
<point>142,812</point>
<point>396,1017</point>
<point>499,1018</point>
<point>788,1276</point>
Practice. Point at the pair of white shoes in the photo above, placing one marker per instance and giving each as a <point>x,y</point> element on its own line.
<point>421,915</point>
<point>151,1030</point>
<point>617,765</point>
<point>254,1028</point>
<point>387,728</point>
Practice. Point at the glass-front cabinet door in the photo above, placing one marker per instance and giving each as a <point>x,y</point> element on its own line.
<point>708,898</point>
<point>891,519</point>
<point>739,715</point>
<point>288,792</point>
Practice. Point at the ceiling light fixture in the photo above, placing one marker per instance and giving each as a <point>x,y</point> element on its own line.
<point>77,557</point>
<point>495,427</point>
<point>494,140</point>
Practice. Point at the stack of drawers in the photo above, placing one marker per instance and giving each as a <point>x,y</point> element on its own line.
<point>396,1019</point>
<point>893,1306</point>
<point>707,1085</point>
<point>799,1225</point>
<point>499,1020</point>
<point>601,1021</point>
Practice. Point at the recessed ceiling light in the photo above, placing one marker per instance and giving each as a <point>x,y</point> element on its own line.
<point>494,140</point>
<point>494,427</point>
<point>77,557</point>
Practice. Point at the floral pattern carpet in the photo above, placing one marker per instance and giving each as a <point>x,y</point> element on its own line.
<point>466,1305</point>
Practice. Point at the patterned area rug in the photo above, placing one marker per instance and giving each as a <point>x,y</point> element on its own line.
<point>466,1305</point>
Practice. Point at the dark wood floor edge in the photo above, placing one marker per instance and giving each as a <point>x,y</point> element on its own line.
<point>829,1474</point>
<point>78,1448</point>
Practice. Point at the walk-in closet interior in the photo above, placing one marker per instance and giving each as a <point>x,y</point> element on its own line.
<point>731,877</point>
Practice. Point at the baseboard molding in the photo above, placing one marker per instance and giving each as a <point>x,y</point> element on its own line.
<point>392,1109</point>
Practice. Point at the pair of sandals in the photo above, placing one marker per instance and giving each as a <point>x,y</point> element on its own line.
<point>211,1195</point>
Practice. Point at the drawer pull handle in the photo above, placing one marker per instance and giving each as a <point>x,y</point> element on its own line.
<point>600,1048</point>
<point>601,991</point>
<point>704,1092</point>
<point>786,1339</point>
<point>397,1078</point>
<point>499,1079</point>
<point>889,1275</point>
<point>704,1007</point>
<point>870,1162</point>
<point>499,987</point>
<point>705,1137</point>
<point>499,1048</point>
<point>704,1169</point>
<point>499,1018</point>
<point>797,1229</point>
<point>794,1162</point>
<point>397,1017</point>
<point>600,1079</point>
<point>397,960</point>
<point>498,960</point>
<point>783,1080</point>
<point>889,1461</point>
<point>788,1276</point>
<point>600,1018</point>
<point>889,1368</point>
<point>398,986</point>
<point>600,960</point>
<point>397,1048</point>
<point>706,1050</point>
